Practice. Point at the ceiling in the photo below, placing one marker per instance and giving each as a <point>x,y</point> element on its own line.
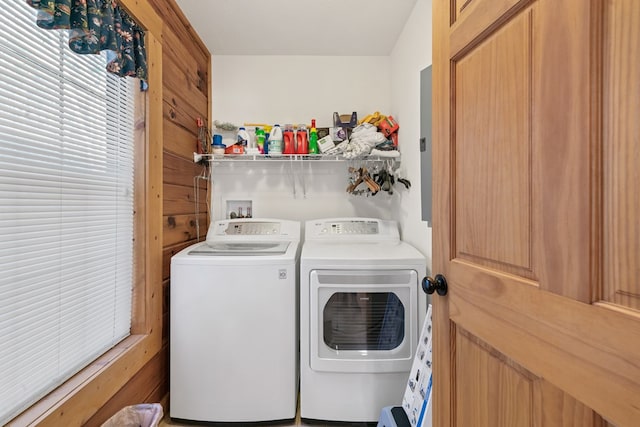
<point>298,27</point>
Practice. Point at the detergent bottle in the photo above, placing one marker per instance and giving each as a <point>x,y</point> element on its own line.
<point>243,138</point>
<point>267,131</point>
<point>302,143</point>
<point>313,138</point>
<point>260,140</point>
<point>288,140</point>
<point>275,140</point>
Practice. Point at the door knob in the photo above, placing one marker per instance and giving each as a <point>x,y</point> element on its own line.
<point>431,285</point>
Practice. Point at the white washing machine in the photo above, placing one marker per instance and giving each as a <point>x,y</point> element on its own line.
<point>361,307</point>
<point>234,323</point>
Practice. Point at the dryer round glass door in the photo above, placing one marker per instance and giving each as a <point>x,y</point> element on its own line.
<point>363,321</point>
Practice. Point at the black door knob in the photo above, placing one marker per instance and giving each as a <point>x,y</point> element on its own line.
<point>431,285</point>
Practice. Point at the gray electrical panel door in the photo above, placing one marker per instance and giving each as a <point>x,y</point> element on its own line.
<point>425,143</point>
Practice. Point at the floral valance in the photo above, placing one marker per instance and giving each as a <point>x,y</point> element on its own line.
<point>97,25</point>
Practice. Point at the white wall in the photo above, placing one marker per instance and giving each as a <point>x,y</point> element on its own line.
<point>295,89</point>
<point>293,190</point>
<point>411,54</point>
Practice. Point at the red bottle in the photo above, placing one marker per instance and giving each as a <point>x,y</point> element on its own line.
<point>302,141</point>
<point>288,140</point>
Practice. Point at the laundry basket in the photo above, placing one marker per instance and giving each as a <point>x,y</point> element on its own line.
<point>141,415</point>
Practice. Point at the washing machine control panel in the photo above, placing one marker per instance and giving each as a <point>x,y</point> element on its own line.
<point>253,229</point>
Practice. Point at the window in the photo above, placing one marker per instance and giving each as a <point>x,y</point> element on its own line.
<point>66,209</point>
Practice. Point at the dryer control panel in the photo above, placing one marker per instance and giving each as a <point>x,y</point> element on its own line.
<point>351,229</point>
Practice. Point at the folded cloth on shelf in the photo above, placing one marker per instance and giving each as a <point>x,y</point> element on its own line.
<point>338,149</point>
<point>385,153</point>
<point>363,138</point>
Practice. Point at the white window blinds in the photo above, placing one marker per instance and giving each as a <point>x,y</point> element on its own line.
<point>66,209</point>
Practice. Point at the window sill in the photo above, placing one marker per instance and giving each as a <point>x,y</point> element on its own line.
<point>75,401</point>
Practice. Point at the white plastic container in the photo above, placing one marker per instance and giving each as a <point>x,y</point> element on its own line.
<point>243,137</point>
<point>275,140</point>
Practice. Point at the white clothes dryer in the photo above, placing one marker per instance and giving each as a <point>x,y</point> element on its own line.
<point>234,323</point>
<point>361,307</point>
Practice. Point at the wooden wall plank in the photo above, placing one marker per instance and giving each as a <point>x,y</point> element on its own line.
<point>178,75</point>
<point>175,21</point>
<point>187,111</point>
<point>173,114</point>
<point>180,199</point>
<point>181,171</point>
<point>183,55</point>
<point>182,228</point>
<point>180,141</point>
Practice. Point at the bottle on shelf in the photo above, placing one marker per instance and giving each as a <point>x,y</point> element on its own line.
<point>302,142</point>
<point>275,140</point>
<point>267,131</point>
<point>260,140</point>
<point>289,143</point>
<point>313,138</point>
<point>243,139</point>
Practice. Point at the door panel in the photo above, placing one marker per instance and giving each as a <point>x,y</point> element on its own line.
<point>473,17</point>
<point>550,336</point>
<point>536,153</point>
<point>621,156</point>
<point>562,410</point>
<point>490,389</point>
<point>566,93</point>
<point>493,391</point>
<point>493,169</point>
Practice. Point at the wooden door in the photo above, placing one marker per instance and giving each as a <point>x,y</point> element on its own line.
<point>537,212</point>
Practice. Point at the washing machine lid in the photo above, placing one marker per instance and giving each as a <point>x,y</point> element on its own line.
<point>241,248</point>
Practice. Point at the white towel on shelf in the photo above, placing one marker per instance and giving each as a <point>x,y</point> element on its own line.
<point>363,139</point>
